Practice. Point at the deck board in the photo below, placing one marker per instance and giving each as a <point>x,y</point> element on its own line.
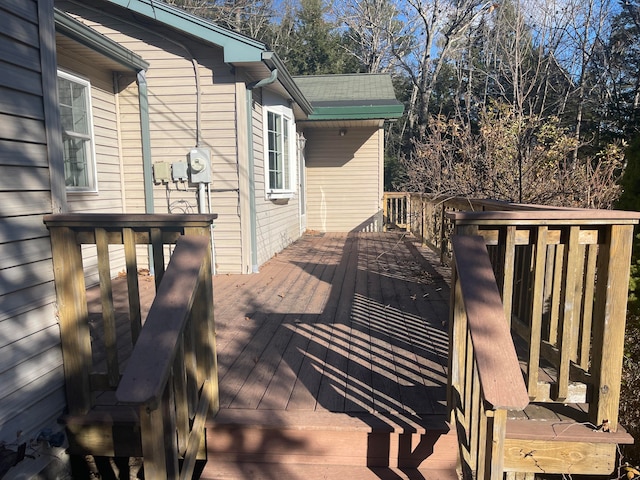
<point>346,323</point>
<point>336,322</point>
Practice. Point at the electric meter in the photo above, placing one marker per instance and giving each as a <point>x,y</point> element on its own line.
<point>200,165</point>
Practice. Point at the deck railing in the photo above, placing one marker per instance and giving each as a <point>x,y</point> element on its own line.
<point>170,377</point>
<point>395,210</point>
<point>562,276</point>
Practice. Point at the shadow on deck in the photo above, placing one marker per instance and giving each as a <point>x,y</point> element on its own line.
<point>332,362</point>
<point>343,333</point>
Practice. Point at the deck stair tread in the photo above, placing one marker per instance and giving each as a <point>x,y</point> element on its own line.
<point>263,471</point>
<point>329,421</point>
<point>564,431</point>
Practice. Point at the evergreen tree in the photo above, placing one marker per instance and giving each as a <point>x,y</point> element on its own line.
<point>315,46</point>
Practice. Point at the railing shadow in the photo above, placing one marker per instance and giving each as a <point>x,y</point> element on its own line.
<point>376,349</point>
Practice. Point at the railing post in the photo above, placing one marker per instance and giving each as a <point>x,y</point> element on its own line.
<point>407,201</point>
<point>72,317</point>
<point>609,323</point>
<point>496,434</point>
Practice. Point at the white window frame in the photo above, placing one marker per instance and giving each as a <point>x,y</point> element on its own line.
<point>89,138</point>
<point>289,174</point>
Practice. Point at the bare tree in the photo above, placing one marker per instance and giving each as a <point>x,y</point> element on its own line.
<point>454,161</point>
<point>587,32</point>
<point>250,17</point>
<point>372,30</point>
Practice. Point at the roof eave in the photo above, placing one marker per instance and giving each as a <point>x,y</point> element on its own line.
<point>71,28</point>
<point>382,112</point>
<point>237,48</point>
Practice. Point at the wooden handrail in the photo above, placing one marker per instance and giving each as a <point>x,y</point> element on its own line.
<point>498,367</point>
<point>550,217</point>
<point>145,377</point>
<point>128,220</point>
<point>485,380</point>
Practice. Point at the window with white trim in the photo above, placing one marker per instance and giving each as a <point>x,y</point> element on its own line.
<point>279,134</point>
<point>74,100</point>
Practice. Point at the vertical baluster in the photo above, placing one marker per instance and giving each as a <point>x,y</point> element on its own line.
<point>153,448</point>
<point>467,393</point>
<point>548,292</point>
<point>556,293</point>
<point>158,254</point>
<point>385,211</point>
<point>476,410</point>
<point>407,202</point>
<point>181,397</point>
<point>579,302</point>
<point>133,288</point>
<point>587,305</point>
<point>191,365</point>
<point>158,433</point>
<point>570,311</point>
<point>108,310</point>
<point>540,263</point>
<point>457,347</point>
<point>509,271</point>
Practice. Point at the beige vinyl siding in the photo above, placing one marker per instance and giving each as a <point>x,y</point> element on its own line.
<point>344,179</point>
<point>109,198</point>
<point>278,222</point>
<point>31,380</point>
<point>171,85</point>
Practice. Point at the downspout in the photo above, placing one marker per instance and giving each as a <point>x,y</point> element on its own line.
<point>145,137</point>
<point>252,181</point>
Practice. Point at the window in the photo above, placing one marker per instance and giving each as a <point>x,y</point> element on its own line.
<point>280,152</point>
<point>74,99</point>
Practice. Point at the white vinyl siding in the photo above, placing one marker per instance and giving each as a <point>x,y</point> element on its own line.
<point>344,179</point>
<point>31,379</point>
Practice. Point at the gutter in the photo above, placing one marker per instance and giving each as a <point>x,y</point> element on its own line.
<point>253,217</point>
<point>272,61</point>
<point>145,137</point>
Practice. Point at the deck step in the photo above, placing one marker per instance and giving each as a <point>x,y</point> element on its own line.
<point>324,438</point>
<point>270,471</point>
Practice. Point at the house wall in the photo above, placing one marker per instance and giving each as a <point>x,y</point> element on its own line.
<point>109,173</point>
<point>171,83</point>
<point>31,375</point>
<point>108,199</point>
<point>278,221</point>
<point>344,179</point>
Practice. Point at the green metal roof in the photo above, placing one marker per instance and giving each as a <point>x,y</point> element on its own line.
<point>355,96</point>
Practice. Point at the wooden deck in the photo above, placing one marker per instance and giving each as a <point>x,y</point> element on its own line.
<point>339,323</point>
<point>333,364</point>
<point>334,354</point>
